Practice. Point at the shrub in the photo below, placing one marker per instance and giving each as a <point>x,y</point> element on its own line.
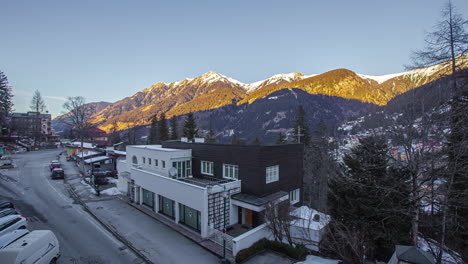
<point>298,252</point>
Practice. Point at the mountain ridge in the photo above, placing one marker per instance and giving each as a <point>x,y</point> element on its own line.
<point>213,90</point>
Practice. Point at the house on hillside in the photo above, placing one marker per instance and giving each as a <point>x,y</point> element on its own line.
<point>96,136</point>
<point>211,188</point>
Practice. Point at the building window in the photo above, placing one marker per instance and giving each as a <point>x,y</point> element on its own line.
<point>294,196</point>
<point>272,174</point>
<point>189,217</point>
<point>183,168</point>
<point>144,160</point>
<point>148,198</point>
<point>156,163</point>
<point>149,161</point>
<point>166,206</point>
<point>207,167</point>
<point>163,163</point>
<point>230,171</point>
<point>134,160</point>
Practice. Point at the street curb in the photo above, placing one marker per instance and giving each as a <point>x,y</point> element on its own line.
<point>191,239</point>
<point>108,228</point>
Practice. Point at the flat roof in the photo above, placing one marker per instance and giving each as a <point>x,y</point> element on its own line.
<point>156,147</point>
<point>96,159</point>
<point>205,181</point>
<point>258,201</point>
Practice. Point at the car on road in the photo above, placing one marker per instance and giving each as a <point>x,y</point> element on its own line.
<point>12,222</point>
<point>57,173</point>
<point>8,211</point>
<point>12,236</point>
<point>38,247</point>
<point>55,164</point>
<point>6,204</point>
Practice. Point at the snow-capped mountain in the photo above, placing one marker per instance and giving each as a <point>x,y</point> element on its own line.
<point>213,90</point>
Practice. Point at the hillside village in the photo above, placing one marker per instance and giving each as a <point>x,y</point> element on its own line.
<point>338,167</point>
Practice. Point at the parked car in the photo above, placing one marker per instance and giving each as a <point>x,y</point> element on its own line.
<point>6,204</point>
<point>12,222</point>
<point>38,247</point>
<point>10,237</point>
<point>55,164</point>
<point>57,173</point>
<point>8,211</point>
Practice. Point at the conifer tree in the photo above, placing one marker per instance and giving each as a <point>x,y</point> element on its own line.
<point>281,139</point>
<point>256,141</point>
<point>235,140</point>
<point>162,128</point>
<point>372,200</point>
<point>153,135</point>
<point>37,103</point>
<point>301,128</point>
<point>190,127</point>
<point>174,133</point>
<point>210,137</point>
<point>6,104</point>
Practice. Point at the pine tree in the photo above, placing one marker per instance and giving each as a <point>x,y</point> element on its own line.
<point>153,135</point>
<point>173,123</point>
<point>301,128</point>
<point>190,127</point>
<point>210,138</point>
<point>235,140</point>
<point>371,199</point>
<point>256,141</point>
<point>281,139</point>
<point>6,104</point>
<point>162,128</point>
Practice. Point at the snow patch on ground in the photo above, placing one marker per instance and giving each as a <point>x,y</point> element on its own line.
<point>112,180</point>
<point>311,259</point>
<point>381,78</point>
<point>448,256</point>
<point>111,191</point>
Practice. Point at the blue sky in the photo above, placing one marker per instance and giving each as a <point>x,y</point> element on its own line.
<point>107,50</point>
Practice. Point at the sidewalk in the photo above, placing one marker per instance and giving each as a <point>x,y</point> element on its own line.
<point>153,240</point>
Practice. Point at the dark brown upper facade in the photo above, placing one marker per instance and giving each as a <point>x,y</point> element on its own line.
<point>252,162</point>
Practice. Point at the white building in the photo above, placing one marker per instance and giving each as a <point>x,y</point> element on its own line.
<point>161,180</point>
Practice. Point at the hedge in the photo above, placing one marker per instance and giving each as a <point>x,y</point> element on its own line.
<point>299,252</point>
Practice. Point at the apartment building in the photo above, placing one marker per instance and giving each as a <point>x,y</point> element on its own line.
<point>208,187</point>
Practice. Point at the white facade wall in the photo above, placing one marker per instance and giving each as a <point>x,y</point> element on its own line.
<point>156,152</point>
<point>123,175</point>
<point>190,195</point>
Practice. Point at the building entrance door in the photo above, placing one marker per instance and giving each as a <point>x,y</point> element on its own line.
<point>248,217</point>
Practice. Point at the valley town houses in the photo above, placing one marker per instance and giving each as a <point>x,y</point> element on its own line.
<point>208,187</point>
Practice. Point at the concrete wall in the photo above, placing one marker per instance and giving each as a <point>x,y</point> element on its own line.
<point>248,239</point>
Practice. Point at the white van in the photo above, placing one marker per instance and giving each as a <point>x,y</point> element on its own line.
<point>38,247</point>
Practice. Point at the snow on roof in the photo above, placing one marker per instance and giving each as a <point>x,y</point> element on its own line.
<point>155,147</point>
<point>87,154</point>
<point>85,145</point>
<point>312,259</point>
<point>306,217</point>
<point>118,152</point>
<point>96,159</point>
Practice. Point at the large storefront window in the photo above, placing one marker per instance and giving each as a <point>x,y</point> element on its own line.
<point>148,198</point>
<point>190,217</point>
<point>166,206</point>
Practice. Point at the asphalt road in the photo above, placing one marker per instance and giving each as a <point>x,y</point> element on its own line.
<point>47,205</point>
